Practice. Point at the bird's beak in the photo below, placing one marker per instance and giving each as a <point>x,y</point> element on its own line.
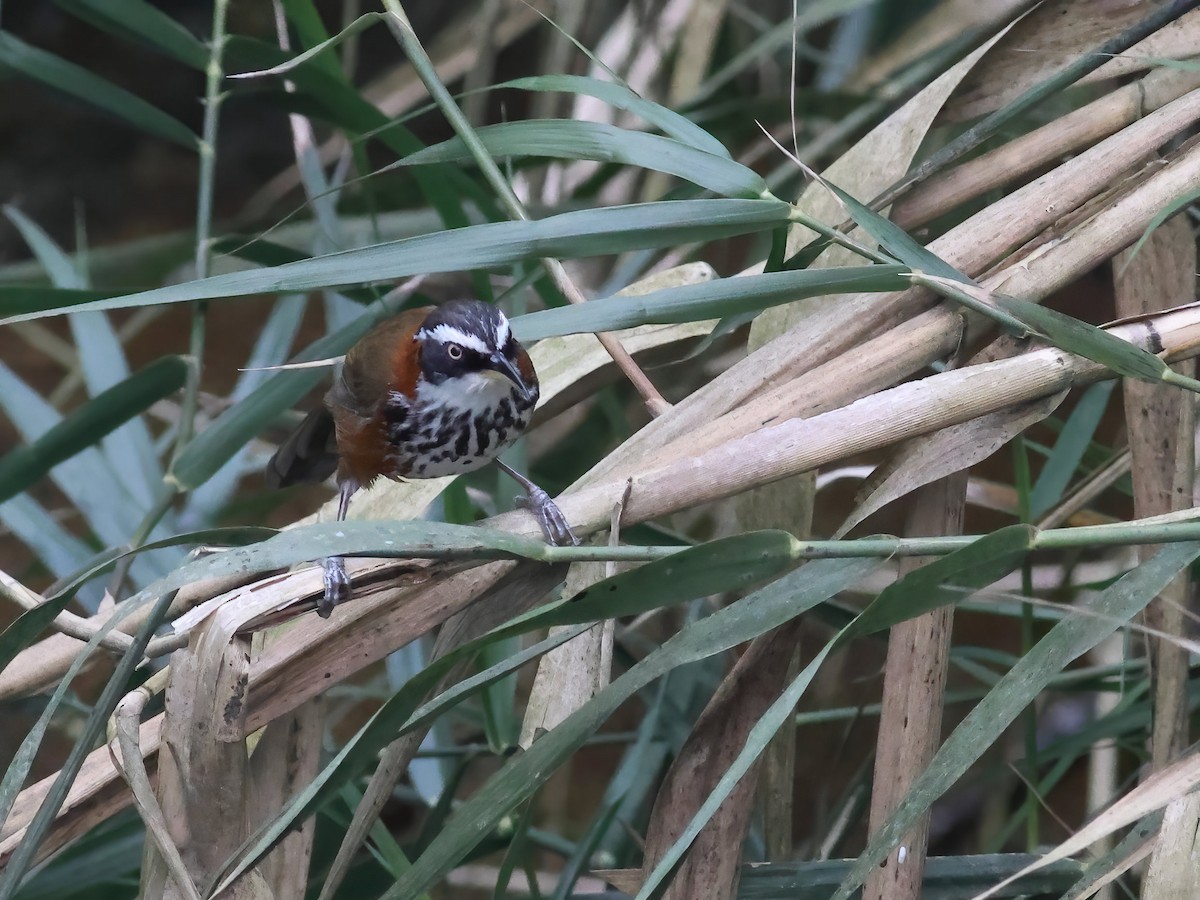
<point>508,368</point>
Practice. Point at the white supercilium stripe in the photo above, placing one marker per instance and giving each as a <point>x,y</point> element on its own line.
<point>448,334</point>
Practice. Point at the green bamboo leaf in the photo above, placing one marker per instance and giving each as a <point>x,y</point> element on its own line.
<point>1059,329</point>
<point>946,878</point>
<point>91,88</point>
<point>567,139</point>
<point>138,20</point>
<point>1096,344</point>
<point>415,539</point>
<point>233,536</point>
<point>1073,441</point>
<point>982,727</point>
<point>710,300</point>
<point>619,96</point>
<point>941,582</point>
<point>744,620</point>
<point>92,421</point>
<point>363,22</point>
<point>720,565</point>
<point>592,232</point>
<point>306,20</point>
<point>22,858</point>
<point>33,299</point>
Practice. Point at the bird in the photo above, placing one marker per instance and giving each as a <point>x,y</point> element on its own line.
<point>433,391</point>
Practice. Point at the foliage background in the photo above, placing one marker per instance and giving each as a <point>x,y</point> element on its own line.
<point>109,192</point>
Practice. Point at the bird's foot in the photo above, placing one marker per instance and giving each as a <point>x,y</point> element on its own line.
<point>549,516</point>
<point>337,586</point>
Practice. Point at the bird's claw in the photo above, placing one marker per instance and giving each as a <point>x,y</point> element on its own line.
<point>337,586</point>
<point>549,516</point>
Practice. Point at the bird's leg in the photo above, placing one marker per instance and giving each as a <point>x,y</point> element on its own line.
<point>549,516</point>
<point>337,582</point>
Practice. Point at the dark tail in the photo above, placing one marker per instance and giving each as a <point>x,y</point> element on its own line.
<point>309,454</point>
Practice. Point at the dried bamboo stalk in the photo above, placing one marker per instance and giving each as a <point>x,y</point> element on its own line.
<point>914,686</point>
<point>1066,134</point>
<point>1161,429</point>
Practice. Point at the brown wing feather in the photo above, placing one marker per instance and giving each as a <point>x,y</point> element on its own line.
<point>309,454</point>
<point>382,361</point>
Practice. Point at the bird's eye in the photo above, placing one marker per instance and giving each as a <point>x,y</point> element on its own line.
<point>454,351</point>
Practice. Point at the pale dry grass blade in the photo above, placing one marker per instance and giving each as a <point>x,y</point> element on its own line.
<point>1053,35</point>
<point>1159,791</point>
<point>914,686</point>
<point>925,459</point>
<point>570,675</point>
<point>286,757</point>
<point>201,782</point>
<point>124,728</point>
<point>881,158</point>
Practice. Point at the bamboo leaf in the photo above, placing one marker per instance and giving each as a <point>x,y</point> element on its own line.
<point>567,139</point>
<point>720,565</point>
<point>619,96</point>
<point>763,610</point>
<point>91,88</point>
<point>144,23</point>
<point>710,300</point>
<point>982,727</point>
<point>1094,343</point>
<point>86,425</point>
<point>1072,443</point>
<point>585,233</point>
<point>363,22</point>
<point>22,300</point>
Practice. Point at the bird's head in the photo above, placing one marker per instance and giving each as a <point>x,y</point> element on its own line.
<point>472,340</point>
